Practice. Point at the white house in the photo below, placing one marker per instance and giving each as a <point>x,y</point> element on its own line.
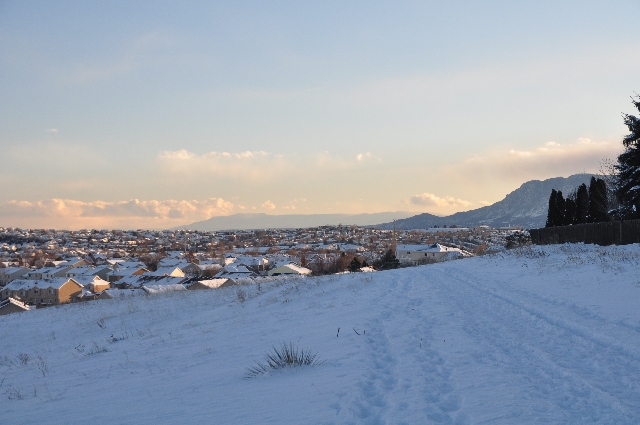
<point>417,254</point>
<point>9,274</point>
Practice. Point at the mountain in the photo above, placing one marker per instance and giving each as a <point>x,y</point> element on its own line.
<point>526,206</point>
<point>290,221</point>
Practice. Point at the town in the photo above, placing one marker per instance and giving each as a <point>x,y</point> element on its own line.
<point>41,268</point>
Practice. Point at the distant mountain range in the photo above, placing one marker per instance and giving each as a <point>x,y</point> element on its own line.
<point>526,206</point>
<point>291,221</point>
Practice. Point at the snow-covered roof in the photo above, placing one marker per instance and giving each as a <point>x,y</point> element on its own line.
<point>436,247</point>
<point>211,283</point>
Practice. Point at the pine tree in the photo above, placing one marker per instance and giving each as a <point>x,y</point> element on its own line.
<point>355,265</point>
<point>569,212</point>
<point>560,204</point>
<point>582,204</point>
<point>598,202</point>
<point>628,168</point>
<point>551,211</point>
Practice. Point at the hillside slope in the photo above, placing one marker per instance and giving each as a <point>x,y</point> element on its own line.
<point>542,335</point>
<point>526,206</point>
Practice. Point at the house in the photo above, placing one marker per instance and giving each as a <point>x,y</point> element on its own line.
<point>102,271</point>
<point>93,284</point>
<point>11,305</point>
<point>235,271</point>
<point>149,280</point>
<point>46,272</point>
<point>195,285</point>
<point>167,271</point>
<point>9,274</point>
<point>420,254</point>
<point>122,273</point>
<point>43,292</point>
<point>289,269</point>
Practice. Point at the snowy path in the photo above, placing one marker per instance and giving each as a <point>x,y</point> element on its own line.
<point>546,337</point>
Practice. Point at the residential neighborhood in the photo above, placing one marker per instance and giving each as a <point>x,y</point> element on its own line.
<point>41,268</point>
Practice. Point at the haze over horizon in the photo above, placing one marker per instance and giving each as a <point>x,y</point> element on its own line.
<point>160,114</point>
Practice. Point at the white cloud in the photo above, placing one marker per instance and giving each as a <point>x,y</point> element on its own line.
<point>252,166</point>
<point>52,130</point>
<point>431,200</point>
<point>268,205</point>
<point>552,159</point>
<point>363,156</point>
<point>257,167</point>
<point>294,204</point>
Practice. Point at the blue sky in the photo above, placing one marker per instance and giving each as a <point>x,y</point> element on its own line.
<point>155,114</point>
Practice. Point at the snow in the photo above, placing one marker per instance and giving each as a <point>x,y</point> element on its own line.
<point>536,335</point>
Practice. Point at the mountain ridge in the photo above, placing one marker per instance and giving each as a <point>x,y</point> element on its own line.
<point>525,207</point>
<point>252,221</point>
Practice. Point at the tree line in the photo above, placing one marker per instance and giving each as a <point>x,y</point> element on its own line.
<point>591,205</point>
<point>581,206</point>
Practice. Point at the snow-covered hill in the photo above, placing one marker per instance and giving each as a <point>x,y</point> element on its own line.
<point>526,206</point>
<point>538,335</point>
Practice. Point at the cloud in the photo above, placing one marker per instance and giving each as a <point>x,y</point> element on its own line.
<point>552,159</point>
<point>363,156</point>
<point>431,200</point>
<point>259,167</point>
<point>268,205</point>
<point>251,166</point>
<point>294,204</point>
<point>52,130</point>
<point>153,213</point>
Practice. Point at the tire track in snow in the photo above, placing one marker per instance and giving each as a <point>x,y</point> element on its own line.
<point>433,381</point>
<point>562,362</point>
<point>397,342</point>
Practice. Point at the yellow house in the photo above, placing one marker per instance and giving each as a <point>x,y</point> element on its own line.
<point>43,292</point>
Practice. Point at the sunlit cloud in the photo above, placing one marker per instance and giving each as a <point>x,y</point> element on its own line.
<point>256,166</point>
<point>52,130</point>
<point>247,165</point>
<point>431,200</point>
<point>138,213</point>
<point>294,204</point>
<point>268,205</point>
<point>552,159</point>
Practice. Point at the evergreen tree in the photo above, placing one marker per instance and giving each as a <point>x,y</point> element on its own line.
<point>628,168</point>
<point>388,261</point>
<point>551,211</point>
<point>569,212</point>
<point>560,204</point>
<point>598,202</point>
<point>355,265</point>
<point>582,204</point>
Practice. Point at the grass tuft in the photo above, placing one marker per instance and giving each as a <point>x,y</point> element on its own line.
<point>287,355</point>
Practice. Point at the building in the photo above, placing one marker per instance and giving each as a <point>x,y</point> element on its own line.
<point>421,254</point>
<point>43,292</point>
<point>289,269</point>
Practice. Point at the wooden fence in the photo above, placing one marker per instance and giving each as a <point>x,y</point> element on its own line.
<point>610,233</point>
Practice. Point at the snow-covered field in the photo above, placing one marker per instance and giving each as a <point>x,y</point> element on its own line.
<point>539,335</point>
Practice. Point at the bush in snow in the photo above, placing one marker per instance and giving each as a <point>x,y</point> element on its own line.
<point>287,355</point>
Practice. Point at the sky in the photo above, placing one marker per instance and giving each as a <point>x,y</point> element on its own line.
<point>155,114</point>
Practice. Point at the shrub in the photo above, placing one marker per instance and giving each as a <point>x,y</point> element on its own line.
<point>287,355</point>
